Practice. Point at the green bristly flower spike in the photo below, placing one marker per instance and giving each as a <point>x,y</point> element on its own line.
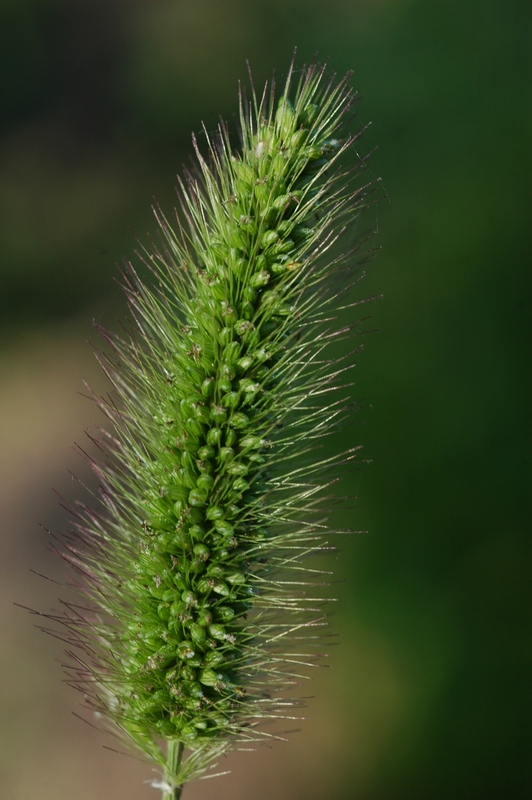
<point>199,611</point>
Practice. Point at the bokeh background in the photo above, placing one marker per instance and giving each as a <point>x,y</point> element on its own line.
<point>427,695</point>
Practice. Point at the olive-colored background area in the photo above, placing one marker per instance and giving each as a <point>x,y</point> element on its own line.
<point>427,694</point>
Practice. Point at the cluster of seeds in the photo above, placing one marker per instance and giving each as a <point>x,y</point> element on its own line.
<point>204,506</point>
<point>198,552</point>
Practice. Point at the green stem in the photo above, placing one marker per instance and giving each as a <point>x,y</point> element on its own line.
<point>174,756</point>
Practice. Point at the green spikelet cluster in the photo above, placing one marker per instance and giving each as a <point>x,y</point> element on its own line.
<point>213,490</point>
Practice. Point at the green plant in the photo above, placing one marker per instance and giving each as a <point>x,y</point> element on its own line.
<point>196,619</point>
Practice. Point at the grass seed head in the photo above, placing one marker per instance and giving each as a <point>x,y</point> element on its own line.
<point>200,614</point>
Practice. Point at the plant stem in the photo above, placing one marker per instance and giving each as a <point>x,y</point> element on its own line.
<point>174,756</point>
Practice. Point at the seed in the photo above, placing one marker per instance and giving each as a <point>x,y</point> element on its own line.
<point>214,658</point>
<point>270,297</point>
<point>204,617</point>
<point>269,238</point>
<point>248,311</point>
<point>236,577</point>
<point>197,566</point>
<point>251,294</point>
<point>308,116</point>
<point>197,497</point>
<point>213,436</point>
<point>239,420</point>
<point>197,532</point>
<point>225,335</point>
<point>231,352</point>
<point>244,326</point>
<point>281,202</point>
<point>223,527</point>
<point>187,477</point>
<point>185,650</point>
<point>209,677</point>
<point>206,452</point>
<point>189,598</point>
<point>214,513</point>
<point>260,279</point>
<point>237,468</point>
<point>224,385</point>
<point>189,733</point>
<point>218,414</point>
<point>217,631</point>
<point>194,427</point>
<point>231,399</point>
<point>249,442</point>
<point>207,387</point>
<point>204,585</point>
<point>186,460</point>
<point>240,485</point>
<point>202,552</point>
<point>228,312</point>
<point>201,412</point>
<point>225,613</point>
<point>285,117</point>
<point>221,588</point>
<point>230,437</point>
<point>205,484</point>
<point>198,635</point>
<point>244,363</point>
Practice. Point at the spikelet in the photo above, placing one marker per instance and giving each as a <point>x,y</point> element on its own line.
<point>199,612</point>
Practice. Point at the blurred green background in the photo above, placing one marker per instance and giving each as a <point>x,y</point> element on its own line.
<point>428,694</point>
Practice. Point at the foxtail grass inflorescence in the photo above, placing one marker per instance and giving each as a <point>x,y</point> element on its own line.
<point>199,610</point>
